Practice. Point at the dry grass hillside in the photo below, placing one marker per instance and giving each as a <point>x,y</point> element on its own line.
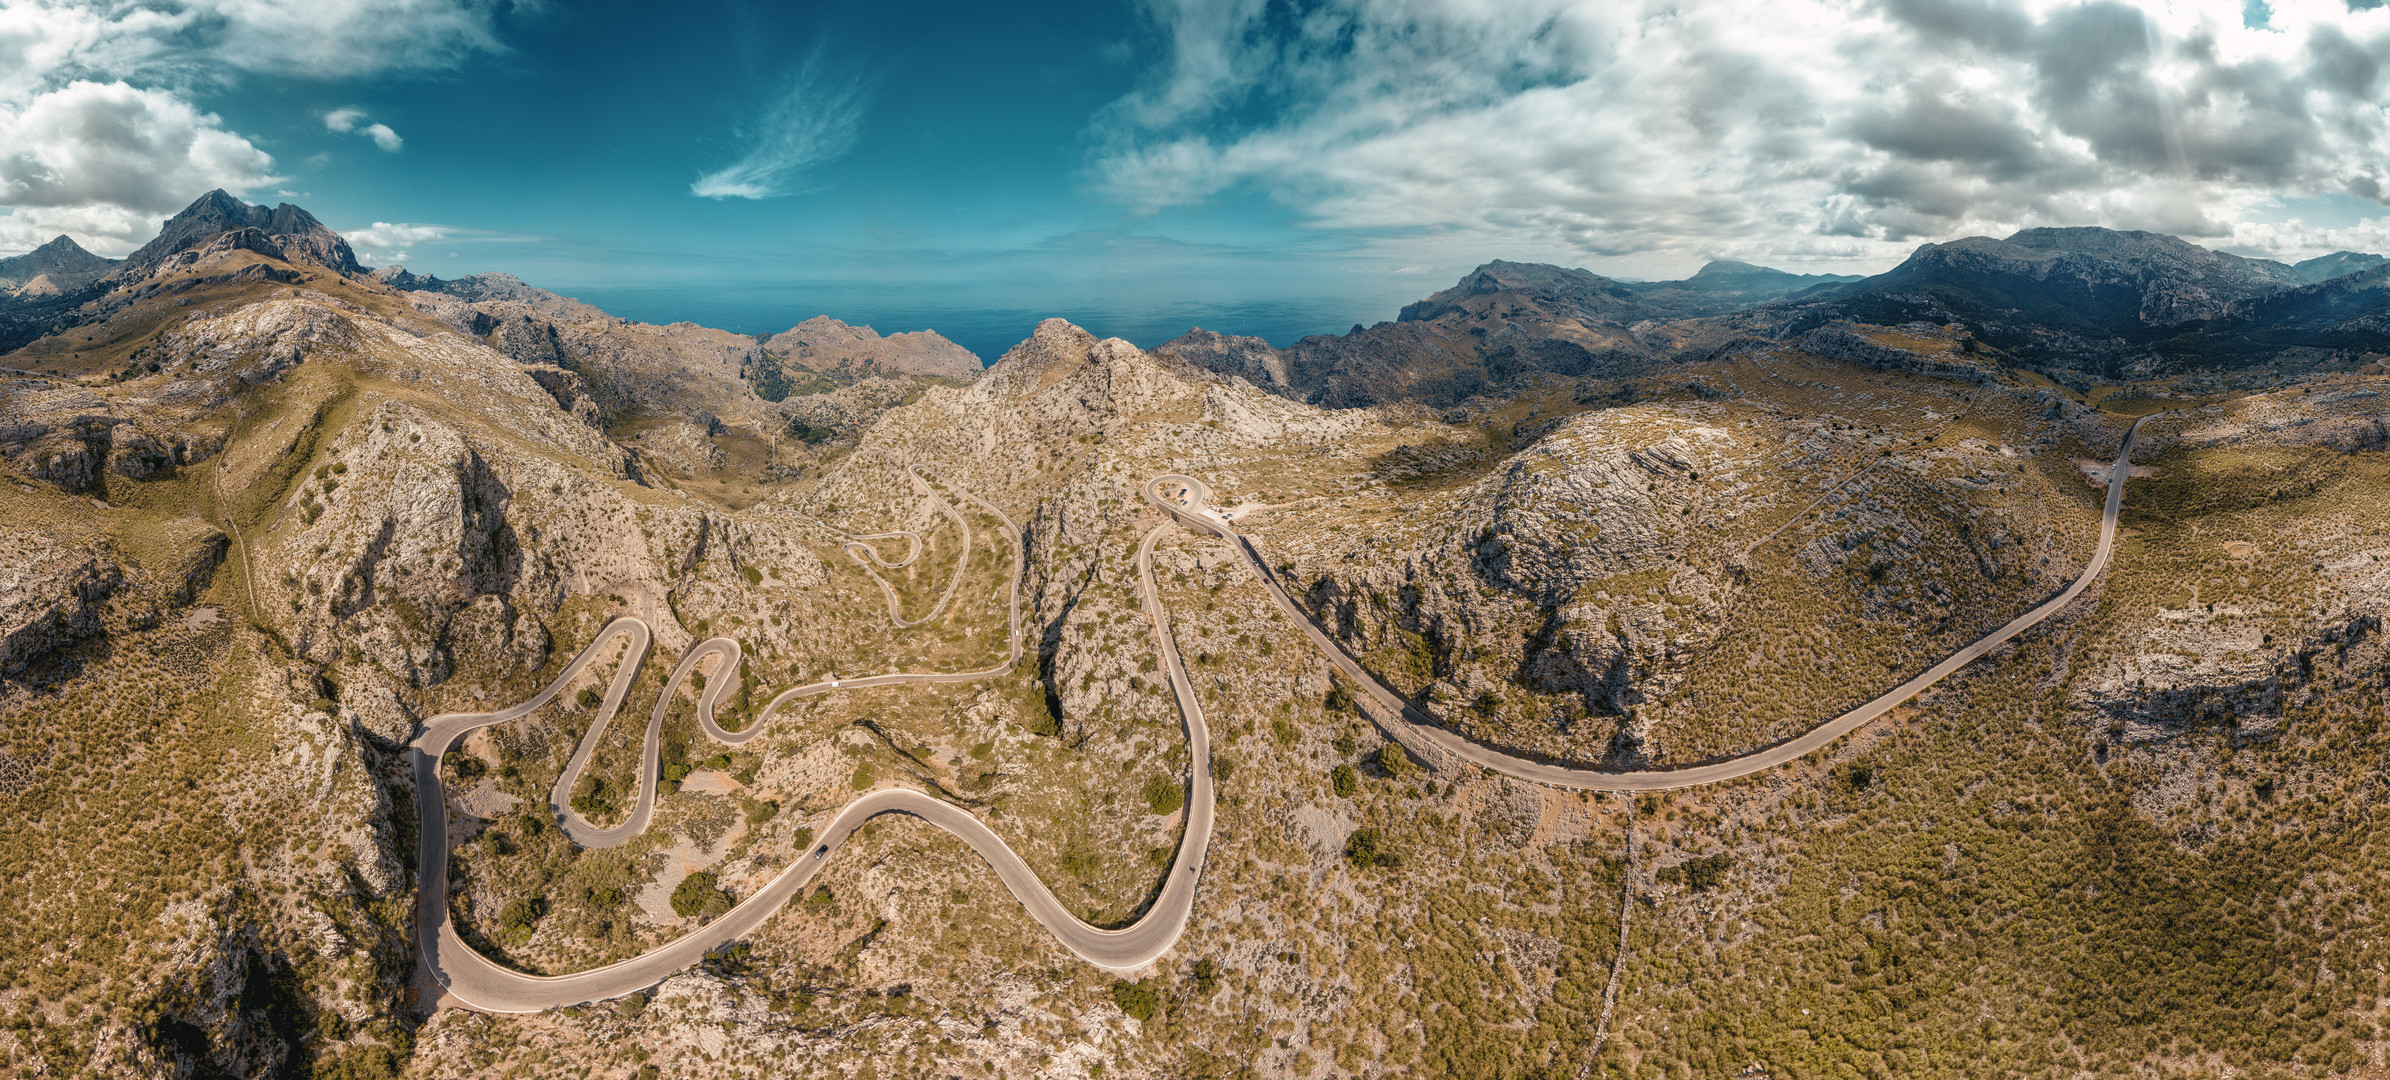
<point>262,520</point>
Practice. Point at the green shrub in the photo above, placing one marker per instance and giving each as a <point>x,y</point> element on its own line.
<point>590,698</point>
<point>1699,875</point>
<point>1286,733</point>
<point>820,899</point>
<point>865,776</point>
<point>761,810</point>
<point>589,796</point>
<point>1367,848</point>
<point>1341,699</point>
<point>1205,974</point>
<point>700,895</point>
<point>804,838</point>
<point>603,897</point>
<point>1344,780</point>
<point>520,913</point>
<point>1136,998</point>
<point>1392,759</point>
<point>359,1063</point>
<point>980,751</point>
<point>1164,795</point>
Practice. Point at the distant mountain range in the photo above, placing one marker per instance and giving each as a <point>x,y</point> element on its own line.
<point>60,284</point>
<point>2093,299</point>
<point>2089,299</point>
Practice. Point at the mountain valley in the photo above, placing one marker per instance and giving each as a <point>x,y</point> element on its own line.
<point>272,517</point>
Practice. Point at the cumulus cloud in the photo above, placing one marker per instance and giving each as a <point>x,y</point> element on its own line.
<point>98,136</point>
<point>812,122</point>
<point>343,121</point>
<point>383,243</point>
<point>108,157</point>
<point>1796,131</point>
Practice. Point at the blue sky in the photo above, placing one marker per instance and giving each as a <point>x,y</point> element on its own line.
<point>1248,165</point>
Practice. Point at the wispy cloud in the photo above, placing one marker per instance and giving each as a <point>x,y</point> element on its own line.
<point>814,121</point>
<point>344,121</point>
<point>384,243</point>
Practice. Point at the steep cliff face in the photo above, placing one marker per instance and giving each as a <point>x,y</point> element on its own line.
<point>220,221</point>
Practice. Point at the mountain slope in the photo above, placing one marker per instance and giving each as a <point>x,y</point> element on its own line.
<point>60,266</point>
<point>219,219</point>
<point>825,346</point>
<point>2098,299</point>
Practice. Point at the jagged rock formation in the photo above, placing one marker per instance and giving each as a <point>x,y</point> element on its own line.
<point>1945,352</point>
<point>1248,358</point>
<point>217,222</point>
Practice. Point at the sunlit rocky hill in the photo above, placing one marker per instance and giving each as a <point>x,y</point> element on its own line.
<point>268,511</point>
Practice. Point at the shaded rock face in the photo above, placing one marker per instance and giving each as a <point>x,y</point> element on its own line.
<point>285,232</point>
<point>1945,352</point>
<point>2089,279</point>
<point>51,593</point>
<point>1247,358</point>
<point>822,343</point>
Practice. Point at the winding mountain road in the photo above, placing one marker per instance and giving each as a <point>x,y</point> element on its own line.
<point>1188,500</point>
<point>477,982</point>
<point>473,980</point>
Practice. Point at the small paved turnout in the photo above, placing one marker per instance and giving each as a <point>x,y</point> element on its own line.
<point>468,978</point>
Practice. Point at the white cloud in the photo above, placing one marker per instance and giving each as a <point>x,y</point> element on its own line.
<point>343,121</point>
<point>814,121</point>
<point>107,158</point>
<point>98,136</point>
<point>1654,134</point>
<point>383,243</point>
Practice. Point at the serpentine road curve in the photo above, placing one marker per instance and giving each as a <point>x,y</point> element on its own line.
<point>1186,497</point>
<point>477,982</point>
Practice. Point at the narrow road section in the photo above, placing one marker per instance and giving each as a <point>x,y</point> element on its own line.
<point>1189,500</point>
<point>475,981</point>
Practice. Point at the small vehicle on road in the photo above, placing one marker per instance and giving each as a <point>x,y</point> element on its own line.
<point>821,851</point>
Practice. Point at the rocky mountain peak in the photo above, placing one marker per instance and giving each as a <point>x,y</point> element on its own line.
<point>1570,293</point>
<point>823,343</point>
<point>59,266</point>
<point>1249,358</point>
<point>285,231</point>
<point>2337,264</point>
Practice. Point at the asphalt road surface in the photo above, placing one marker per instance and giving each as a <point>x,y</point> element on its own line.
<point>468,978</point>
<point>1189,500</point>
